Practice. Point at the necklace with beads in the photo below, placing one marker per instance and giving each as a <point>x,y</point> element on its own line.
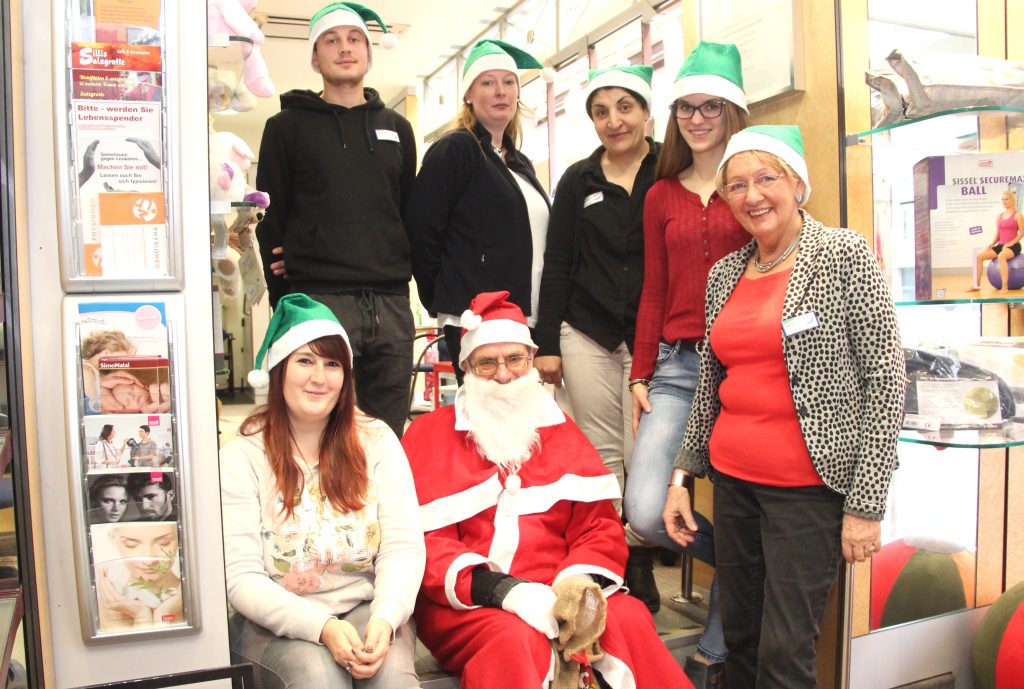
<point>765,267</point>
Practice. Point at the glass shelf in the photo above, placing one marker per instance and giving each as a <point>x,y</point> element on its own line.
<point>1014,302</point>
<point>1014,117</point>
<point>1010,434</point>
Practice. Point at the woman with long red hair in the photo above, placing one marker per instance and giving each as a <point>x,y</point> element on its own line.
<point>323,550</point>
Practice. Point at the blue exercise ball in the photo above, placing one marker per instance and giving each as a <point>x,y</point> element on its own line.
<point>1016,278</point>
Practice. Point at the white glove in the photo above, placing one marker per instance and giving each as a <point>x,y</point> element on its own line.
<point>535,605</point>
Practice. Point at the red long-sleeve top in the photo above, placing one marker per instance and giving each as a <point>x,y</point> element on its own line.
<point>683,238</point>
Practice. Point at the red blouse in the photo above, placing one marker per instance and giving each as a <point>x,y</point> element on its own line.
<point>683,238</point>
<point>757,436</point>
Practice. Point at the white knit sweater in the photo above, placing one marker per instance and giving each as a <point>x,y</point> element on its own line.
<point>292,576</point>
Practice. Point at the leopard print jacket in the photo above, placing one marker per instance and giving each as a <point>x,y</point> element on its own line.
<point>847,376</point>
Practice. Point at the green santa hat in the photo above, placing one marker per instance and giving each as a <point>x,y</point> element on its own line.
<point>348,14</point>
<point>298,320</point>
<point>782,140</point>
<point>715,69</point>
<point>635,78</point>
<point>490,53</point>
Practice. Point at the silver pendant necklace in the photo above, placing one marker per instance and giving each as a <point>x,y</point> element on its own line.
<point>765,267</point>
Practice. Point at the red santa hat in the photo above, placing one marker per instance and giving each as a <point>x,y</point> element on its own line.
<point>491,319</point>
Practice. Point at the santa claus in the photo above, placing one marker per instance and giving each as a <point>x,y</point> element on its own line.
<point>515,501</point>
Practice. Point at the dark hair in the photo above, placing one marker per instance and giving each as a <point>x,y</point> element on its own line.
<point>101,484</point>
<point>105,432</point>
<point>639,99</point>
<point>676,155</point>
<point>343,478</point>
<point>138,482</point>
<point>144,427</point>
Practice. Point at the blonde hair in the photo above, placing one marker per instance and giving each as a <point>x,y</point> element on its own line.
<point>110,340</point>
<point>466,119</point>
<point>676,155</point>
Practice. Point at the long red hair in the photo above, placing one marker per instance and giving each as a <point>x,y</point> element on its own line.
<point>343,478</point>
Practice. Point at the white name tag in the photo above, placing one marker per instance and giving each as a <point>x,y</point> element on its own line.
<point>387,135</point>
<point>596,197</point>
<point>798,324</point>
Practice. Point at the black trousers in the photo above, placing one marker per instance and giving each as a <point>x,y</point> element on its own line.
<point>381,330</point>
<point>453,339</point>
<point>778,552</point>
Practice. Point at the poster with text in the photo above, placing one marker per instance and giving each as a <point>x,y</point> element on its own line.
<point>120,442</point>
<point>135,22</point>
<point>120,179</point>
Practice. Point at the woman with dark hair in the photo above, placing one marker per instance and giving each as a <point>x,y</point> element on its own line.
<point>323,550</point>
<point>105,453</point>
<point>108,499</point>
<point>478,216</point>
<point>687,228</point>
<point>593,272</point>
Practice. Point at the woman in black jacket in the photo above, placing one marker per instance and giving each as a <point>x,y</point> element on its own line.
<point>478,217</point>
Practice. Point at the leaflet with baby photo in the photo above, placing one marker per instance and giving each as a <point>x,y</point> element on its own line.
<point>123,350</point>
<point>137,570</point>
<point>125,443</point>
<point>119,178</point>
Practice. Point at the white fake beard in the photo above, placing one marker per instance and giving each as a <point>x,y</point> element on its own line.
<point>504,417</point>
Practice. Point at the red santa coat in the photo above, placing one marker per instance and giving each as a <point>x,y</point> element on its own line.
<point>560,522</point>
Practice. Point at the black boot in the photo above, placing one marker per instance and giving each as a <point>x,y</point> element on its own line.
<point>640,577</point>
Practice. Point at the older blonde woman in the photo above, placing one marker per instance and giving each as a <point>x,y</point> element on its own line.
<point>796,414</point>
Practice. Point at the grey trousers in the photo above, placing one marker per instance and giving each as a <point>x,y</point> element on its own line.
<point>281,663</point>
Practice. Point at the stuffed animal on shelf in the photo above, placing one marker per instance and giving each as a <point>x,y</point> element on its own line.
<point>232,17</point>
<point>230,147</point>
<point>226,91</point>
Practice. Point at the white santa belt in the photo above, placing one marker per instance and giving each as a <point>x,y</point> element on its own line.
<point>455,508</point>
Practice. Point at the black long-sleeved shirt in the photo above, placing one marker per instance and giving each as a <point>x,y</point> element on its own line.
<point>594,261</point>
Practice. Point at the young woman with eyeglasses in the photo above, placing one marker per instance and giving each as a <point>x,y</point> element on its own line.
<point>687,228</point>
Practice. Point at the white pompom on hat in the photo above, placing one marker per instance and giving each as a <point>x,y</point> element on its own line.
<point>491,319</point>
<point>298,319</point>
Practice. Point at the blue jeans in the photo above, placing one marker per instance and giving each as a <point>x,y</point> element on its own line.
<point>658,439</point>
<point>282,663</point>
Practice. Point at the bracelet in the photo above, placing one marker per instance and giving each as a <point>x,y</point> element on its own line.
<point>639,381</point>
<point>680,478</point>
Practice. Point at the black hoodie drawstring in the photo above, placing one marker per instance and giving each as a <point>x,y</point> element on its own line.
<point>366,126</point>
<point>341,128</point>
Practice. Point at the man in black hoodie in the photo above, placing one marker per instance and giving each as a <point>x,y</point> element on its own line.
<point>339,168</point>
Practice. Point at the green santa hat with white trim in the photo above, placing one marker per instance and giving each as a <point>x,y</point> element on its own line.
<point>782,140</point>
<point>348,14</point>
<point>298,320</point>
<point>490,53</point>
<point>635,78</point>
<point>715,69</point>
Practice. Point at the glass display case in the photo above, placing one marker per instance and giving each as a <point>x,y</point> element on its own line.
<point>910,612</point>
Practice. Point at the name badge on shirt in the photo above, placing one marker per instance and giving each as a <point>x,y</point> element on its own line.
<point>596,197</point>
<point>798,324</point>
<point>387,135</point>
